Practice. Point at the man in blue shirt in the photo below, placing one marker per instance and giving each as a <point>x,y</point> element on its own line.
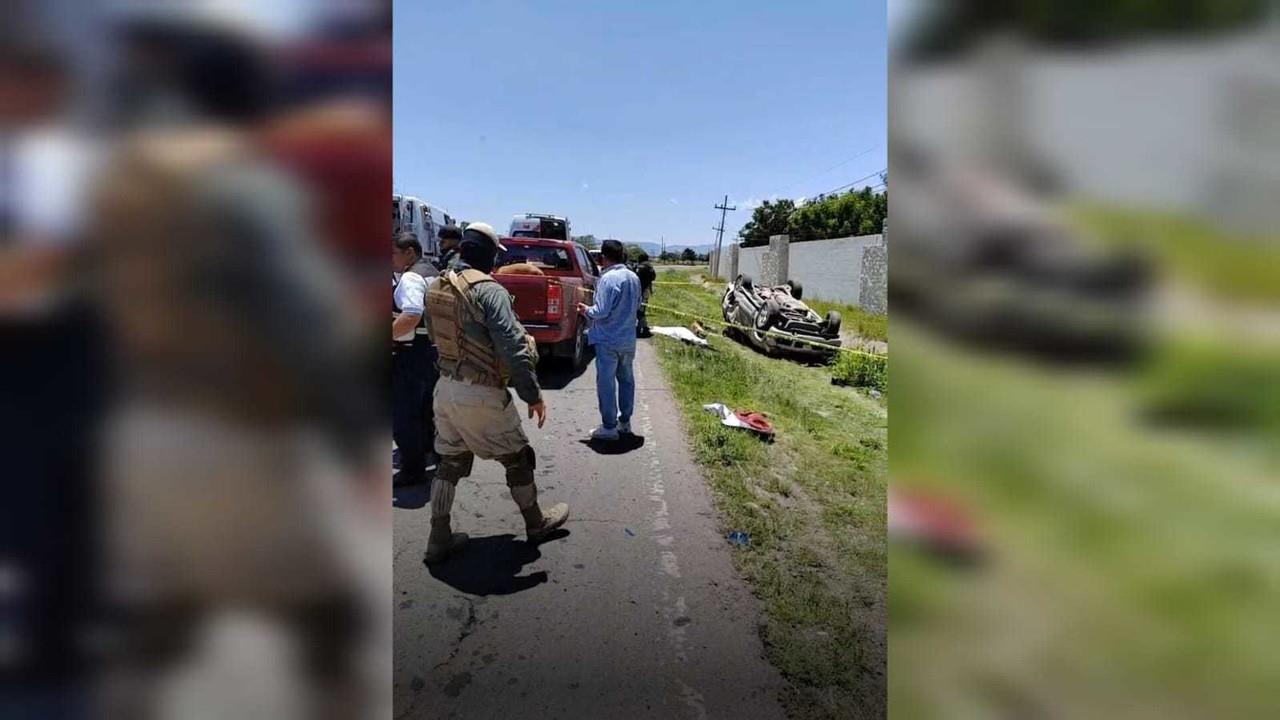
<point>613,333</point>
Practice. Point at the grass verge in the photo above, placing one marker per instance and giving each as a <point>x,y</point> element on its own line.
<point>859,370</point>
<point>1227,266</point>
<point>813,502</point>
<point>868,326</point>
<point>1132,568</point>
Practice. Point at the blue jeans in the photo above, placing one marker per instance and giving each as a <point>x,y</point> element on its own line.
<point>615,385</point>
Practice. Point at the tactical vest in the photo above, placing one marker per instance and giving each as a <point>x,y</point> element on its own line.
<point>462,356</point>
<point>427,271</point>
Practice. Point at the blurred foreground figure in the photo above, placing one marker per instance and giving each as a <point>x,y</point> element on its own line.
<point>243,411</point>
<point>1086,247</point>
<point>51,391</point>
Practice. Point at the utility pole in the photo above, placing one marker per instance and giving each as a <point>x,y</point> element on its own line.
<point>723,207</point>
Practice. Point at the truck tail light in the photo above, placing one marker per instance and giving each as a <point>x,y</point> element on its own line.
<point>555,294</point>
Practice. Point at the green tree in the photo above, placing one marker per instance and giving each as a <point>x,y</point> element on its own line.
<point>772,217</point>
<point>688,255</point>
<point>634,252</point>
<point>587,241</point>
<point>856,212</point>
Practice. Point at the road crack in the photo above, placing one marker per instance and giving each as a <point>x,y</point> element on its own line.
<point>468,627</point>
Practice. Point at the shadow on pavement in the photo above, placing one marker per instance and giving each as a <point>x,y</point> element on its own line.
<point>412,497</point>
<point>624,444</point>
<point>492,565</point>
<point>556,374</point>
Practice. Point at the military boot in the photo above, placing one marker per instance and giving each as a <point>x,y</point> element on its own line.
<point>442,540</point>
<point>538,524</point>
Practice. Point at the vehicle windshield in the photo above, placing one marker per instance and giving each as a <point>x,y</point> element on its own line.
<point>547,258</point>
<point>545,228</point>
<point>554,229</point>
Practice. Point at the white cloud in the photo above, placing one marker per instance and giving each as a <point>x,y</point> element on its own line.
<point>586,186</point>
<point>753,202</point>
<point>675,201</point>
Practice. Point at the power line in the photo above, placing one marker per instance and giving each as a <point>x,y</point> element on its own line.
<point>855,182</point>
<point>840,164</point>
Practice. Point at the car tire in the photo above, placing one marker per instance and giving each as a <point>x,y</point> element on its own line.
<point>797,290</point>
<point>768,315</point>
<point>747,283</point>
<point>833,323</point>
<point>578,359</point>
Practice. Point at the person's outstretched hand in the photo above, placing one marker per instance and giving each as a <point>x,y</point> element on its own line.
<point>540,410</point>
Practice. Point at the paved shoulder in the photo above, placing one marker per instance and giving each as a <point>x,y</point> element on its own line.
<point>637,612</point>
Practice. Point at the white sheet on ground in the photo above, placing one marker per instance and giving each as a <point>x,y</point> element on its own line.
<point>680,333</point>
<point>726,415</point>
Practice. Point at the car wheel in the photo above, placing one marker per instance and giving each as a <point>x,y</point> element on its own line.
<point>833,322</point>
<point>579,358</point>
<point>797,290</point>
<point>746,283</point>
<point>768,315</point>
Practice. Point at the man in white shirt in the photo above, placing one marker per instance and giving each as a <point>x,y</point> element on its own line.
<point>413,363</point>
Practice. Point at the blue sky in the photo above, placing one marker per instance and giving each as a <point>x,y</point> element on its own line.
<point>634,119</point>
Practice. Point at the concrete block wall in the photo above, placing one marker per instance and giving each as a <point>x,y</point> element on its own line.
<point>831,270</point>
<point>750,261</point>
<point>873,295</point>
<point>850,270</point>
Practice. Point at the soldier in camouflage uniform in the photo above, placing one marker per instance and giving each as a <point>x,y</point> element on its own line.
<point>482,349</point>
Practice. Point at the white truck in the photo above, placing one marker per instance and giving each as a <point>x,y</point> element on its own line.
<point>536,225</point>
<point>410,214</point>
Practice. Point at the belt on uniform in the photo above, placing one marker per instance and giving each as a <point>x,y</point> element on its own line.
<point>468,381</point>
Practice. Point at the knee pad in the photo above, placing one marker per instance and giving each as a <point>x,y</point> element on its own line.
<point>520,466</point>
<point>455,467</point>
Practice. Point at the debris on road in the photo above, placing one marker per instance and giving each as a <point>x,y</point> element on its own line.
<point>681,333</point>
<point>746,419</point>
<point>739,538</point>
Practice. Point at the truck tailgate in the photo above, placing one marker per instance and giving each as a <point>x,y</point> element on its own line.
<point>530,292</point>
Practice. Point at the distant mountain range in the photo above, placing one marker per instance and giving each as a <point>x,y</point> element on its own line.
<point>654,248</point>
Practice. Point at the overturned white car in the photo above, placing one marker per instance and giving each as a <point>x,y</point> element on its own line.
<point>774,320</point>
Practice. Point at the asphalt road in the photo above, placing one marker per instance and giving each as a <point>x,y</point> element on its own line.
<point>635,611</point>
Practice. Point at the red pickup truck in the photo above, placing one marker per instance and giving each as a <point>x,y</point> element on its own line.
<point>547,304</point>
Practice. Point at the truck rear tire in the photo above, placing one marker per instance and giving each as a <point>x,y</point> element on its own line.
<point>577,350</point>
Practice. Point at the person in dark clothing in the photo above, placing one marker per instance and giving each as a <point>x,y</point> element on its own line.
<point>413,363</point>
<point>646,273</point>
<point>450,237</point>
